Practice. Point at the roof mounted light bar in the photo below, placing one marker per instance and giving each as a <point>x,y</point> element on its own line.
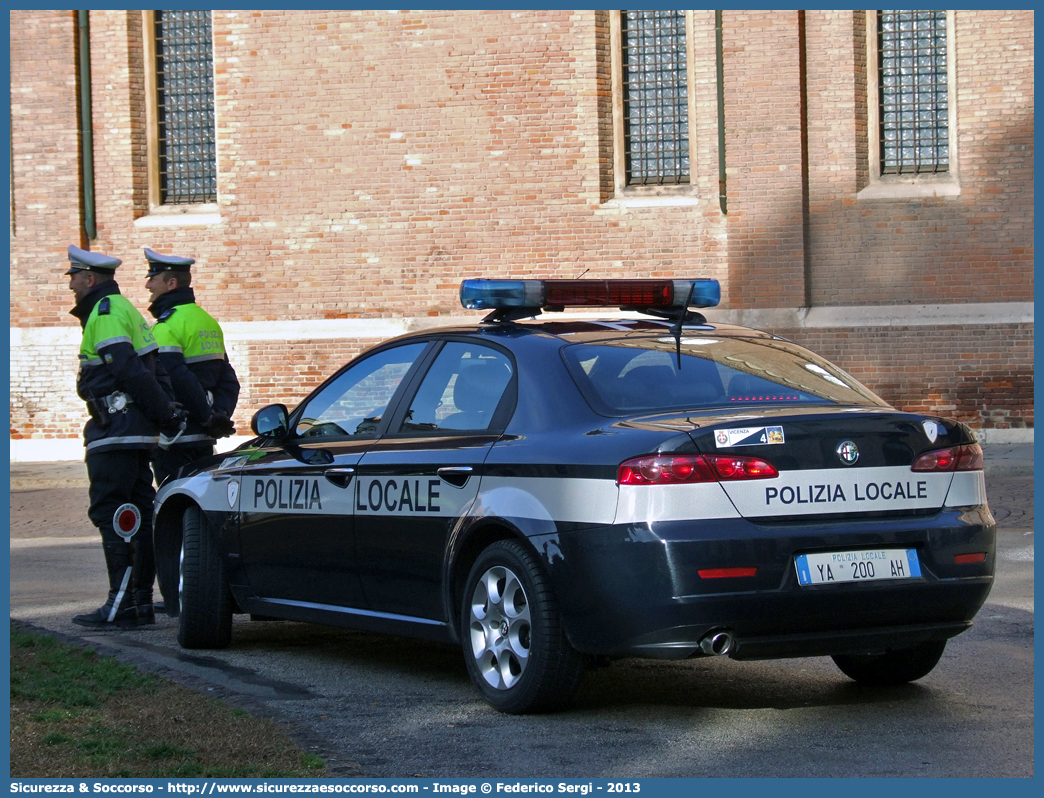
<point>521,298</point>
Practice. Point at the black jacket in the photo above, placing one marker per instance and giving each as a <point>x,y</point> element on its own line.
<point>192,352</point>
<point>119,354</point>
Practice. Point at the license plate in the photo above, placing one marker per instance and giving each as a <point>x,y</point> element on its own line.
<point>857,566</point>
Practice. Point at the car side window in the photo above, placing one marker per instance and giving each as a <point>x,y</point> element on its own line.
<point>354,402</point>
<point>461,390</point>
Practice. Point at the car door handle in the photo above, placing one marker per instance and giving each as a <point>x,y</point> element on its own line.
<point>455,475</point>
<point>339,476</point>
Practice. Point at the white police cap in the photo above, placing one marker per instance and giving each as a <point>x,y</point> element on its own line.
<point>83,261</point>
<point>164,263</point>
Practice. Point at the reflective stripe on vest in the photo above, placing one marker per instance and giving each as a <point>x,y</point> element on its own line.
<point>152,440</point>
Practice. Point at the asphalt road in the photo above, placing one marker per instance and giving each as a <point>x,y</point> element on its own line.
<point>393,707</point>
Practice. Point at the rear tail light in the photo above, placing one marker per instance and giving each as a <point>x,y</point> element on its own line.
<point>726,573</point>
<point>742,467</point>
<point>686,469</point>
<point>955,458</point>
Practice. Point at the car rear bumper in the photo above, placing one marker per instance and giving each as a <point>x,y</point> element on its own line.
<point>635,589</point>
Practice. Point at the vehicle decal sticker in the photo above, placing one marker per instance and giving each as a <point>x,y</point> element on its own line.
<point>748,436</point>
<point>408,496</point>
<point>859,490</point>
<point>931,429</point>
<point>233,493</point>
<point>287,494</point>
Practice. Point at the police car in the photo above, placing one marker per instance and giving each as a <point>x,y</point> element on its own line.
<point>551,493</point>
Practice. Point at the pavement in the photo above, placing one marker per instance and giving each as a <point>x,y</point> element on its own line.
<point>1008,460</point>
<point>1000,460</point>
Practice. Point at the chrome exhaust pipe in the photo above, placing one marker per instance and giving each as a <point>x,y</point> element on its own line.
<point>716,644</point>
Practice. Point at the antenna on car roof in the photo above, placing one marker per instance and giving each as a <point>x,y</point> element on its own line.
<point>681,320</point>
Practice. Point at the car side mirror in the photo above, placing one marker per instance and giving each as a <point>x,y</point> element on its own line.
<point>272,421</point>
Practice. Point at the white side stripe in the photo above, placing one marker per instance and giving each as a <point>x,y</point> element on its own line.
<point>602,501</point>
<point>590,501</point>
<point>649,503</point>
<point>968,489</point>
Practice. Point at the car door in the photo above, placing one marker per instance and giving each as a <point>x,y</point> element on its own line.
<point>415,483</point>
<point>296,506</point>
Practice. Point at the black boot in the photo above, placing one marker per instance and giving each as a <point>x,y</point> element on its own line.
<point>144,572</point>
<point>119,612</point>
<point>146,613</point>
<point>160,608</point>
<point>103,617</point>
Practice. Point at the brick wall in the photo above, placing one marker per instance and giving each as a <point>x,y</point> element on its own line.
<point>463,149</point>
<point>974,247</point>
<point>369,160</point>
<point>983,377</point>
<point>45,196</point>
<point>302,365</point>
<point>763,158</point>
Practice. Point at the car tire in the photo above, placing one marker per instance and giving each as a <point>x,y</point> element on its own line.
<point>205,617</point>
<point>893,667</point>
<point>516,650</point>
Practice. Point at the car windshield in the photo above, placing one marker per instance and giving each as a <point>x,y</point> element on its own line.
<point>643,375</point>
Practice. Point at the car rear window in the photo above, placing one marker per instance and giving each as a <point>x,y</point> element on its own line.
<point>645,375</point>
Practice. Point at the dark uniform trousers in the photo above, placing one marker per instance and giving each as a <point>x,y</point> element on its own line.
<point>117,478</point>
<point>166,462</point>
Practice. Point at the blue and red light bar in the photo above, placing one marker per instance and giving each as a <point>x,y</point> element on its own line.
<point>496,294</point>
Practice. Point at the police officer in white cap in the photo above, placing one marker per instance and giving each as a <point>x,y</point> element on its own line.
<point>192,350</point>
<point>130,403</point>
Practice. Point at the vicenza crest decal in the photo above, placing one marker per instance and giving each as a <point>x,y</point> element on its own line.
<point>931,429</point>
<point>233,493</point>
<point>847,452</point>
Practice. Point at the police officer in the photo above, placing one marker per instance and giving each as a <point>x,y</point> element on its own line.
<point>129,402</point>
<point>192,350</point>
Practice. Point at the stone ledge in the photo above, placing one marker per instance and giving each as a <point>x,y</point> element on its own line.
<point>971,314</point>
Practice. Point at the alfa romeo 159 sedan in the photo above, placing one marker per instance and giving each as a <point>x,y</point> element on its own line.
<point>550,493</point>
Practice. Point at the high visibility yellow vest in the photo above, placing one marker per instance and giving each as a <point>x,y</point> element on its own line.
<point>114,319</point>
<point>192,331</point>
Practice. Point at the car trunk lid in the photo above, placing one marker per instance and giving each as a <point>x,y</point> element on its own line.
<point>831,460</point>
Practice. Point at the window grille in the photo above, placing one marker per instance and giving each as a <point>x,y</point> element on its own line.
<point>914,109</point>
<point>656,97</point>
<point>185,107</point>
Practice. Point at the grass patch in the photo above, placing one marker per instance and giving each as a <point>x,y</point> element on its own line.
<point>77,715</point>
